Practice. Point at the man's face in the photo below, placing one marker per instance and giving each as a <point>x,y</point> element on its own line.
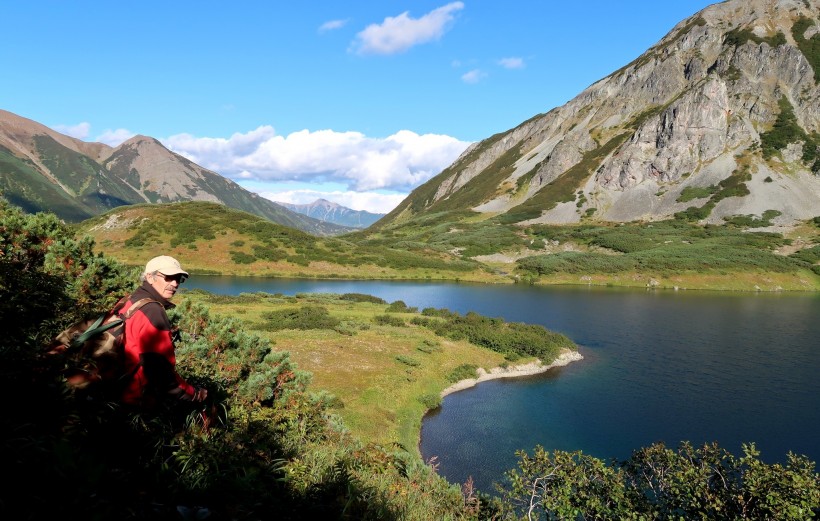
<point>166,285</point>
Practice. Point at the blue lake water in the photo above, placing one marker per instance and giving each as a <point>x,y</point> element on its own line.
<point>659,366</point>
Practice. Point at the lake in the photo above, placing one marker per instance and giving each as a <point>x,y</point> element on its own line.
<point>659,366</point>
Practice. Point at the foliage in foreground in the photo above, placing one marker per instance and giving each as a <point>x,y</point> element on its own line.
<point>273,450</point>
<point>661,483</point>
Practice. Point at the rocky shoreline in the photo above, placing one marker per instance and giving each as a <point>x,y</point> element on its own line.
<point>531,368</point>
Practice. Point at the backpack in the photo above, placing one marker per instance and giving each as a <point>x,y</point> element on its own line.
<point>93,349</point>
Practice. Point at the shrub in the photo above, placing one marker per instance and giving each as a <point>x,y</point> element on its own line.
<point>305,317</point>
<point>429,346</point>
<point>696,192</point>
<point>240,257</point>
<point>430,400</point>
<point>400,307</point>
<point>660,483</point>
<point>408,360</point>
<point>361,297</point>
<point>463,372</point>
<point>388,320</point>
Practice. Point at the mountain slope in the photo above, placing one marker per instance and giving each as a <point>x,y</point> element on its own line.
<point>328,211</point>
<point>43,170</point>
<point>215,239</point>
<point>719,118</point>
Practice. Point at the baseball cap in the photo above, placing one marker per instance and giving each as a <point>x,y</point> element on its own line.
<point>165,265</point>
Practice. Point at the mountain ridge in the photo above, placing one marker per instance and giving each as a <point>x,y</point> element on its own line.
<point>328,211</point>
<point>44,170</point>
<point>697,111</point>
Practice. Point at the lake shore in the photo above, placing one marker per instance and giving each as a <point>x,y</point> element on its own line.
<point>515,371</point>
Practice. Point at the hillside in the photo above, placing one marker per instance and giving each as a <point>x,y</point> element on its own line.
<point>719,119</point>
<point>43,170</point>
<point>214,239</point>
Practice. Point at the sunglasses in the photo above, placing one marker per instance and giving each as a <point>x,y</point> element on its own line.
<point>179,277</point>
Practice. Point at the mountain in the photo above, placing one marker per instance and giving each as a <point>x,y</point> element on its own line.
<point>720,118</point>
<point>328,211</point>
<point>41,169</point>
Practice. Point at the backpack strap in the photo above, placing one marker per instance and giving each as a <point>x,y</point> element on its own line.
<point>99,327</point>
<point>93,329</point>
<point>136,306</point>
<point>128,314</point>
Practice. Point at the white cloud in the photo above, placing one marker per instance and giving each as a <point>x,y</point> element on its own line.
<point>373,202</point>
<point>512,63</point>
<point>332,25</point>
<point>399,162</point>
<point>473,76</point>
<point>114,137</point>
<point>78,131</point>
<point>399,33</point>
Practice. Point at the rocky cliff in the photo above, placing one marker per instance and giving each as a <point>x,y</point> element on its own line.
<point>721,117</point>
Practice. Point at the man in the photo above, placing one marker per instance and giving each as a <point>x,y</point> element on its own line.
<point>150,357</point>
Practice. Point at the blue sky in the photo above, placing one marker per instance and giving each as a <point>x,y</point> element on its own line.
<point>357,102</point>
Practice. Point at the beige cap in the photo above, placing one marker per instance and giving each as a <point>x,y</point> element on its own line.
<point>165,265</point>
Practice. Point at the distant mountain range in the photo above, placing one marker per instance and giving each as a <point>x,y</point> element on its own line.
<point>720,118</point>
<point>328,211</point>
<point>43,170</point>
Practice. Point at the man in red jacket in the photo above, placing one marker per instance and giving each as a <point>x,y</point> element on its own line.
<point>150,357</point>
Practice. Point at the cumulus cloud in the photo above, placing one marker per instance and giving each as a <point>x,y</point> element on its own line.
<point>83,130</point>
<point>512,63</point>
<point>114,137</point>
<point>473,76</point>
<point>399,33</point>
<point>399,162</point>
<point>373,202</point>
<point>78,131</point>
<point>332,25</point>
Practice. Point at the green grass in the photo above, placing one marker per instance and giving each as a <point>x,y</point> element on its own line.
<point>383,374</point>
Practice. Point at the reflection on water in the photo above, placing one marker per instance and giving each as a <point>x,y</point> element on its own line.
<point>659,366</point>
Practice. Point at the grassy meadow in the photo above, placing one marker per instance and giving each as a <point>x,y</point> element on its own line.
<point>383,367</point>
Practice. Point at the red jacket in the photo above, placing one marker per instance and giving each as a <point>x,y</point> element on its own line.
<point>149,353</point>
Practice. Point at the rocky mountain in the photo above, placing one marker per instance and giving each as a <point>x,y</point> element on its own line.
<point>328,211</point>
<point>720,118</point>
<point>41,169</point>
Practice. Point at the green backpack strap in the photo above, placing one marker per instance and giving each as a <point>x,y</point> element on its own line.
<point>98,327</point>
<point>95,328</point>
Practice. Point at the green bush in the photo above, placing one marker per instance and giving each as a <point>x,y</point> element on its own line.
<point>811,47</point>
<point>696,192</point>
<point>240,257</point>
<point>463,372</point>
<point>360,297</point>
<point>785,130</point>
<point>400,307</point>
<point>430,400</point>
<point>505,337</point>
<point>407,360</point>
<point>305,317</point>
<point>429,346</point>
<point>660,483</point>
<point>388,320</point>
